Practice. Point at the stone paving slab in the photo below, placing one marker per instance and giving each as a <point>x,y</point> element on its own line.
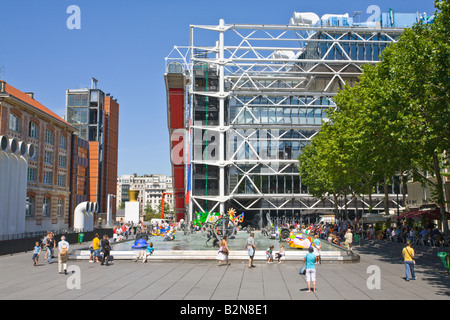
<point>205,280</point>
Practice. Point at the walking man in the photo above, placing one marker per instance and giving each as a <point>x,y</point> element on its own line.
<point>251,248</point>
<point>408,256</point>
<point>63,251</point>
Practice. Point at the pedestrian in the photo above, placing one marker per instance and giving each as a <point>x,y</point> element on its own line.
<point>280,253</point>
<point>317,246</point>
<point>106,249</point>
<point>269,254</point>
<point>36,253</point>
<point>251,249</point>
<point>62,259</point>
<point>349,239</point>
<point>148,251</point>
<point>408,256</point>
<point>96,247</point>
<point>223,251</point>
<point>63,251</point>
<point>50,245</point>
<point>310,261</point>
<point>44,245</point>
<point>91,252</point>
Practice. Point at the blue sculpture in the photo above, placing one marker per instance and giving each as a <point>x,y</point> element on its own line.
<point>140,244</point>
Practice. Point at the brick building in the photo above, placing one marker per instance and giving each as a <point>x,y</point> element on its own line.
<point>48,192</point>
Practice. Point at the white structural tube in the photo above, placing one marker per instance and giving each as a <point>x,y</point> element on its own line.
<point>79,214</point>
<point>22,187</point>
<point>83,218</point>
<point>14,185</point>
<point>4,183</point>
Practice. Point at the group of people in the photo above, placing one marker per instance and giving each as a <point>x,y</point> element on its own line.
<point>100,250</point>
<point>48,245</point>
<point>429,235</point>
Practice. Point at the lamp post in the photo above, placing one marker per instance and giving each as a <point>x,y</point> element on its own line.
<point>109,211</point>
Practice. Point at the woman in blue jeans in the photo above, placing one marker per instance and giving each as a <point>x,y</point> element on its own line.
<point>50,246</point>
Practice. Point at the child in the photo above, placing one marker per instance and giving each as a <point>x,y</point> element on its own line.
<point>91,252</point>
<point>269,255</point>
<point>148,251</point>
<point>36,252</point>
<point>281,253</point>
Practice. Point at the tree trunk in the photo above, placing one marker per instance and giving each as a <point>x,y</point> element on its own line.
<point>386,197</point>
<point>345,206</point>
<point>336,207</point>
<point>440,192</point>
<point>405,202</point>
<point>370,199</point>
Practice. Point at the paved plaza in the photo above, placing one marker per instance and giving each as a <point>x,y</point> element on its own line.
<point>205,280</point>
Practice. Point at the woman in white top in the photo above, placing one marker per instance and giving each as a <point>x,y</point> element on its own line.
<point>280,253</point>
<point>223,251</point>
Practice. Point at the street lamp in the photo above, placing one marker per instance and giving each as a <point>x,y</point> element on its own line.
<point>109,210</point>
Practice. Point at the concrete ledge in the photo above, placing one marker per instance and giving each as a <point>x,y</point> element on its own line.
<point>328,256</point>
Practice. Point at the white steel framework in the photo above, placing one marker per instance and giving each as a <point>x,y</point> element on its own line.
<point>256,96</point>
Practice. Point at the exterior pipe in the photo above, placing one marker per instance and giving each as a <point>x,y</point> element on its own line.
<point>4,183</point>
<point>79,215</point>
<point>11,225</point>
<point>21,198</point>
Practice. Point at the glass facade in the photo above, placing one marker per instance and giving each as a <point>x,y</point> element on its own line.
<point>256,97</point>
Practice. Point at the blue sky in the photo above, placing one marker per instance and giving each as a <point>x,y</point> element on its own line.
<point>123,44</point>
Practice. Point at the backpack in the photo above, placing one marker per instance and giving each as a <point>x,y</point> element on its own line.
<point>63,251</point>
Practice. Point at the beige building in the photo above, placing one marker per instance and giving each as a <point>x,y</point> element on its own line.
<point>151,189</point>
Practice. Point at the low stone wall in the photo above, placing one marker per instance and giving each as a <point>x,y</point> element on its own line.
<point>27,244</point>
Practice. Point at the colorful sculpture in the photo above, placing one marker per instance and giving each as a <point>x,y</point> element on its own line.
<point>297,241</point>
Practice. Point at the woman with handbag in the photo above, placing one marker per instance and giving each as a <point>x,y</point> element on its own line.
<point>408,256</point>
<point>223,251</point>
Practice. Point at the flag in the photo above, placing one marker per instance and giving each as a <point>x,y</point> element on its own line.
<point>189,178</point>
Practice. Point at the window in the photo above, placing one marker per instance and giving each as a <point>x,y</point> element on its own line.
<point>13,122</point>
<point>48,178</point>
<point>48,157</point>
<point>62,160</point>
<point>61,180</point>
<point>46,207</point>
<point>62,142</point>
<point>32,130</point>
<point>29,207</point>
<point>60,208</point>
<point>49,137</point>
<point>31,174</point>
<point>77,100</point>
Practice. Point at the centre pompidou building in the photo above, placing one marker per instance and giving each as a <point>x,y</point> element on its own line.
<point>251,97</point>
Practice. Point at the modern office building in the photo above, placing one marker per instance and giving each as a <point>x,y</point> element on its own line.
<point>253,96</point>
<point>48,190</point>
<point>96,117</point>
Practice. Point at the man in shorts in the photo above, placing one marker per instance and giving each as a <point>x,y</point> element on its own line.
<point>251,248</point>
<point>96,248</point>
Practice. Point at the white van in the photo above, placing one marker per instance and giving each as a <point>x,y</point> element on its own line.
<point>327,219</point>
